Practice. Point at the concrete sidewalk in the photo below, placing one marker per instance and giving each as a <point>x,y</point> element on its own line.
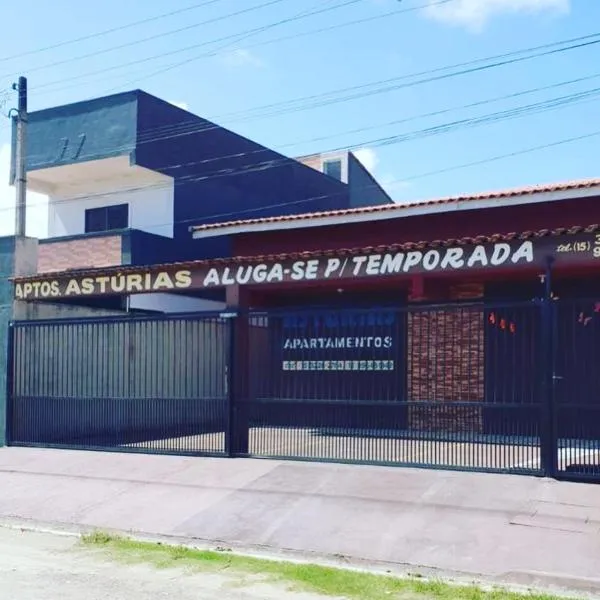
<point>495,527</point>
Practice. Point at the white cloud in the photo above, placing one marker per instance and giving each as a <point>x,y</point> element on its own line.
<point>37,204</point>
<point>242,58</point>
<point>475,14</point>
<point>394,187</point>
<point>182,105</point>
<point>368,158</point>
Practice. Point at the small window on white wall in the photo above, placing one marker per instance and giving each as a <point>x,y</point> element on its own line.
<point>333,168</point>
<point>107,218</point>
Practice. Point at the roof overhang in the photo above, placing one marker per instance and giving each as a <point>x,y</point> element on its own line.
<point>565,248</point>
<point>538,195</point>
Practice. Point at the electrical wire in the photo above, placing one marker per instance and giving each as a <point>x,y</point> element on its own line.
<point>495,158</point>
<point>498,60</point>
<point>154,37</point>
<point>191,126</point>
<point>540,106</point>
<point>64,85</point>
<point>493,117</point>
<point>228,37</point>
<point>434,113</point>
<point>105,32</point>
<point>247,35</point>
<point>444,111</point>
<point>429,131</point>
<point>200,56</point>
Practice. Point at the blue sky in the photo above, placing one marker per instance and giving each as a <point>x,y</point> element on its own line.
<point>236,75</point>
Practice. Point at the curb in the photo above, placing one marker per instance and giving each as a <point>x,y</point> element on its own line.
<point>524,582</point>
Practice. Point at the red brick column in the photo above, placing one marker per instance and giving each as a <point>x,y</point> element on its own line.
<point>446,364</point>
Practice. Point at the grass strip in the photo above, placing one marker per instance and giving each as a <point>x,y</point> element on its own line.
<point>326,581</point>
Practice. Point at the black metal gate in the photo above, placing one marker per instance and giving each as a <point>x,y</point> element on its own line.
<point>576,389</point>
<point>486,386</point>
<point>143,384</point>
<point>437,386</point>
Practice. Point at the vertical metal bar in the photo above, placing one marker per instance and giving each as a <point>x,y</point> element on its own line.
<point>10,357</point>
<point>231,324</point>
<point>548,440</point>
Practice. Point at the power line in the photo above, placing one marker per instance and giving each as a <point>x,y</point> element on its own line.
<point>544,105</point>
<point>154,37</point>
<point>444,111</point>
<point>417,116</point>
<point>429,79</point>
<point>257,44</point>
<point>200,56</point>
<point>111,30</point>
<point>541,106</point>
<point>248,34</point>
<point>497,157</point>
<point>480,162</point>
<point>208,42</point>
<point>192,127</point>
<point>540,50</point>
<point>493,117</point>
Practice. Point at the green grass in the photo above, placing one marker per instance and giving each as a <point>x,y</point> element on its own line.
<point>326,581</point>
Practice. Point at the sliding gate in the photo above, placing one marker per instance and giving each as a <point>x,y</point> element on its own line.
<point>448,386</point>
<point>502,387</point>
<point>145,384</point>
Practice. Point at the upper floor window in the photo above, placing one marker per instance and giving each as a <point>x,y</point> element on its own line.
<point>333,168</point>
<point>107,218</point>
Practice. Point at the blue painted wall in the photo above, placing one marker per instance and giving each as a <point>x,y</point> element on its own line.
<point>222,176</point>
<point>364,189</point>
<point>90,130</point>
<point>219,175</point>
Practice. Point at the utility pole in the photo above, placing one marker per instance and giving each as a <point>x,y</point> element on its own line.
<point>21,158</point>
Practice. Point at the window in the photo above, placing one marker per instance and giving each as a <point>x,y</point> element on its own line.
<point>107,218</point>
<point>333,168</point>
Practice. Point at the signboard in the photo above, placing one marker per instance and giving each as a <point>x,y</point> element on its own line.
<point>329,356</point>
<point>339,342</point>
<point>568,249</point>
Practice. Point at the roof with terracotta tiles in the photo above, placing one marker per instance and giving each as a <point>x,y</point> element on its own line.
<point>507,194</point>
<point>406,246</point>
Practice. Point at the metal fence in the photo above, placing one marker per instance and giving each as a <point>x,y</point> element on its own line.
<point>487,386</point>
<point>421,386</point>
<point>576,389</point>
<point>151,384</point>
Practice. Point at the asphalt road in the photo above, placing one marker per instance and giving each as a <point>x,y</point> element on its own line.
<point>43,566</point>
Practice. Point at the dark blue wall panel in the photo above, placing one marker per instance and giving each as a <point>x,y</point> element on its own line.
<point>83,131</point>
<point>221,176</point>
<point>364,189</point>
<point>218,175</point>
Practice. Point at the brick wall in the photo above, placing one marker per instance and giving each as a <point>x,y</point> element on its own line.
<point>446,365</point>
<point>102,251</point>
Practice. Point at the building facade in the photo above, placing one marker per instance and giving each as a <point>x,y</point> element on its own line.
<point>460,332</point>
<point>344,166</point>
<point>127,175</point>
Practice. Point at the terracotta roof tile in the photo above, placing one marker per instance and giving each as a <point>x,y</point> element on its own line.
<point>406,246</point>
<point>506,194</point>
